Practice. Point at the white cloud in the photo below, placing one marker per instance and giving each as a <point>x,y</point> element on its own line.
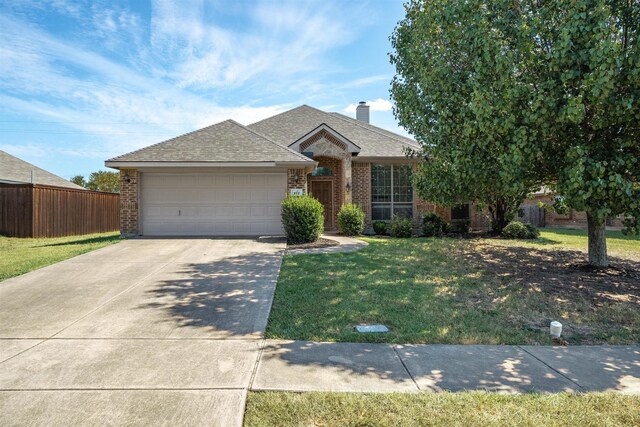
<point>25,151</point>
<point>282,40</point>
<point>118,108</point>
<point>375,105</point>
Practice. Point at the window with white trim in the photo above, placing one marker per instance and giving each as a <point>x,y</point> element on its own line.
<point>391,191</point>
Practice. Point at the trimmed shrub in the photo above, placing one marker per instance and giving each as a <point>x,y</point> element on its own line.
<point>519,230</point>
<point>351,220</point>
<point>401,227</point>
<point>302,219</point>
<point>380,227</point>
<point>433,225</point>
<point>460,226</point>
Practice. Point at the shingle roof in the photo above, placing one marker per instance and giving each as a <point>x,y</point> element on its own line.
<point>16,171</point>
<point>227,141</point>
<point>287,127</point>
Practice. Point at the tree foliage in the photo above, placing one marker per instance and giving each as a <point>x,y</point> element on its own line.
<point>79,180</point>
<point>510,94</point>
<point>100,181</point>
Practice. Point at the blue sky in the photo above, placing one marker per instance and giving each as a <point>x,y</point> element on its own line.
<point>83,81</point>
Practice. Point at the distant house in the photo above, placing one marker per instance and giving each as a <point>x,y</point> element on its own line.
<point>536,210</point>
<point>37,203</point>
<point>14,171</point>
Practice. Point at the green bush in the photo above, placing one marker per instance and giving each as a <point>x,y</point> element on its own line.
<point>460,226</point>
<point>351,220</point>
<point>519,230</point>
<point>433,225</point>
<point>380,227</point>
<point>401,227</point>
<point>302,219</point>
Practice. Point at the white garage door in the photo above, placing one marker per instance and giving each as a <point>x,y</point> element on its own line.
<point>210,204</point>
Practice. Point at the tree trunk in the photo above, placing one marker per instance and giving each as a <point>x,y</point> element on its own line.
<point>499,216</point>
<point>597,241</point>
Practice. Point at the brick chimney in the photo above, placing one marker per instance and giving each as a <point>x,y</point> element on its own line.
<point>362,112</point>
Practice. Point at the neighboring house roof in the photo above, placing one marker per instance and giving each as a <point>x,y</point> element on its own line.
<point>225,142</point>
<point>16,171</point>
<point>288,127</point>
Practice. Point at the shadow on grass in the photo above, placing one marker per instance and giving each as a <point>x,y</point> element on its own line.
<point>456,291</point>
<point>546,241</point>
<point>89,241</point>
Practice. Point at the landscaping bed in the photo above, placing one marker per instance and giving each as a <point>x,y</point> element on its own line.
<point>440,409</point>
<point>320,243</point>
<point>459,291</point>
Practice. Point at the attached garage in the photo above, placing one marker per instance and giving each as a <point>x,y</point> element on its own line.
<point>219,204</point>
<point>223,180</point>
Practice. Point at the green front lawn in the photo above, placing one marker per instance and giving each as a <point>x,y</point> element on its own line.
<point>20,256</point>
<point>440,409</point>
<point>618,244</point>
<point>455,291</point>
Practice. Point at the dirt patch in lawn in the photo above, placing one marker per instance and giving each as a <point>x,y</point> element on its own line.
<point>320,243</point>
<point>542,285</point>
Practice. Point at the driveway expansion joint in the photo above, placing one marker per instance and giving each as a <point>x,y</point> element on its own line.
<point>552,368</point>
<point>395,350</point>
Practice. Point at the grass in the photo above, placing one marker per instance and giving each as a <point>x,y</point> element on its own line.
<point>20,256</point>
<point>454,291</point>
<point>618,244</point>
<point>440,409</point>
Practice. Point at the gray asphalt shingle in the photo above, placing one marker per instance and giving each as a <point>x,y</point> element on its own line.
<point>227,141</point>
<point>287,127</point>
<point>15,170</point>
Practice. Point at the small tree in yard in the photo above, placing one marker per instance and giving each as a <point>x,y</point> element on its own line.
<point>104,181</point>
<point>508,95</point>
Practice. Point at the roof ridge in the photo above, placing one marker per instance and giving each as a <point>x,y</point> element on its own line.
<point>301,156</point>
<point>371,127</point>
<point>167,140</point>
<point>279,114</point>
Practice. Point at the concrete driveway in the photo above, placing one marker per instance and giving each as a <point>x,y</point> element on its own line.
<point>148,331</point>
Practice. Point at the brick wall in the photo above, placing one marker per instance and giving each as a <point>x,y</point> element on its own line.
<point>301,183</point>
<point>129,202</point>
<point>361,188</point>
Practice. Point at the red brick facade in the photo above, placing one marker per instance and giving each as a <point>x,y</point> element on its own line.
<point>129,202</point>
<point>296,178</point>
<point>361,188</point>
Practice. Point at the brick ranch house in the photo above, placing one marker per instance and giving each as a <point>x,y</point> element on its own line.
<point>229,179</point>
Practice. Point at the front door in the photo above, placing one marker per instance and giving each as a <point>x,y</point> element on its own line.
<point>323,191</point>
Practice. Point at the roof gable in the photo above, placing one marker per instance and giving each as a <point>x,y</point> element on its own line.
<point>290,126</point>
<point>325,129</point>
<point>16,171</point>
<point>225,142</point>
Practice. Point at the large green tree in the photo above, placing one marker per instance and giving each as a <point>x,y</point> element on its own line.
<point>104,181</point>
<point>100,180</point>
<point>539,92</point>
<point>457,90</point>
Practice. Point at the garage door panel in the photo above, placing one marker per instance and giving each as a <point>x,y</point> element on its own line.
<point>212,204</point>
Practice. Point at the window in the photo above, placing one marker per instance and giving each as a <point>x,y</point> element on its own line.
<point>460,212</point>
<point>391,191</point>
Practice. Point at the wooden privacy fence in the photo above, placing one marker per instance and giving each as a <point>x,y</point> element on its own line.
<point>534,215</point>
<point>28,210</point>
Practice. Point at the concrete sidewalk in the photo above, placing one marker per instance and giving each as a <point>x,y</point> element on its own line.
<point>312,366</point>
